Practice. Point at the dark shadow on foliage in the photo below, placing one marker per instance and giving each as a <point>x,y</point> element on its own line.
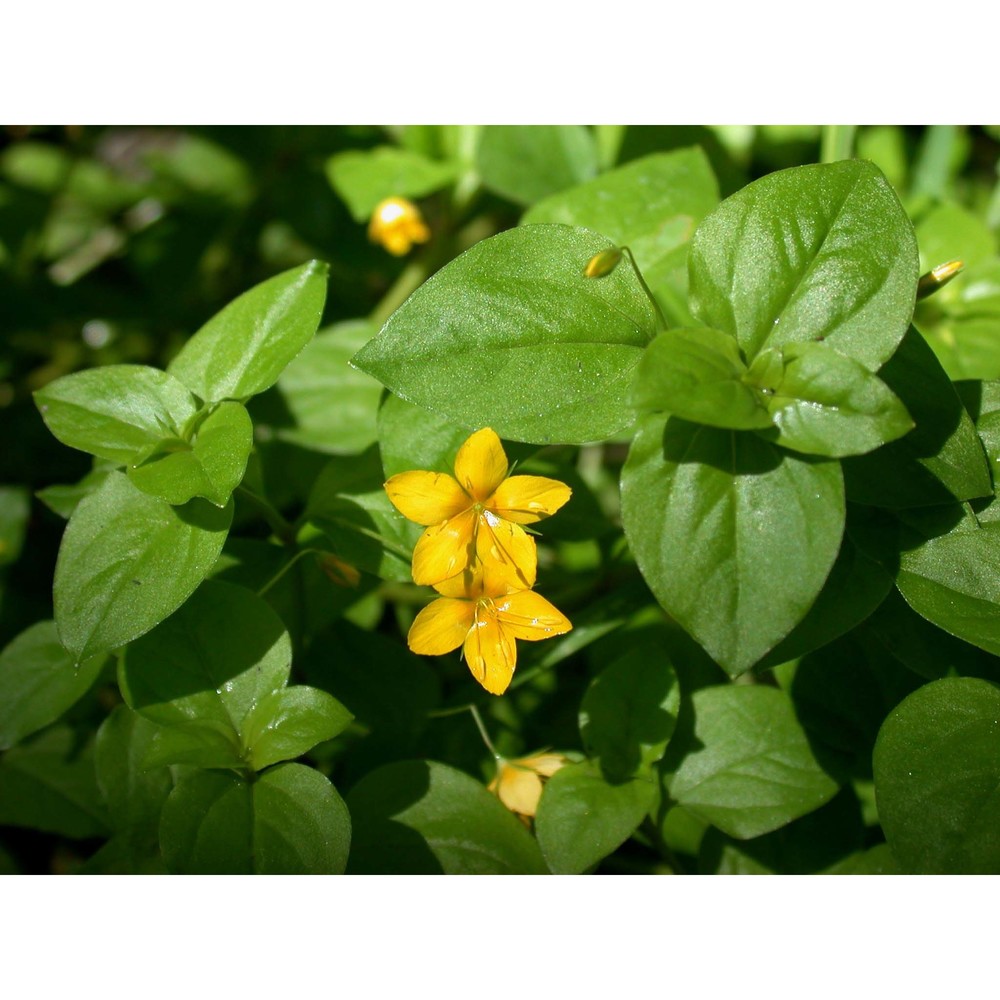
<point>379,844</point>
<point>737,453</point>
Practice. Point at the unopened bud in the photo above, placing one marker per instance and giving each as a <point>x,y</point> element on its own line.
<point>603,263</point>
<point>937,278</point>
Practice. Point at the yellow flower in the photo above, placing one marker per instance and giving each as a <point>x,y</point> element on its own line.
<point>397,224</point>
<point>481,612</point>
<point>478,513</point>
<point>518,784</point>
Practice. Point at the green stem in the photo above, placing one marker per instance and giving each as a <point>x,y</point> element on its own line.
<point>411,278</point>
<point>474,712</point>
<point>649,295</point>
<point>837,143</point>
<point>284,569</point>
<point>278,524</point>
<point>386,543</point>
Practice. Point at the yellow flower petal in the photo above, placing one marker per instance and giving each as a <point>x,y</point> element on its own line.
<point>441,627</point>
<point>397,224</point>
<point>527,615</point>
<point>507,551</point>
<point>518,783</point>
<point>480,465</point>
<point>490,654</point>
<point>467,585</point>
<point>518,790</point>
<point>444,550</point>
<point>427,497</point>
<point>526,499</point>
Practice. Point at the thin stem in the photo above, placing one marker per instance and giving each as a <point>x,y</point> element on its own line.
<point>386,543</point>
<point>409,280</point>
<point>837,143</point>
<point>649,295</point>
<point>284,569</point>
<point>474,712</point>
<point>278,524</point>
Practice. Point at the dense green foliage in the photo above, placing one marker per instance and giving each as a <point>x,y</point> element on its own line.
<point>780,560</point>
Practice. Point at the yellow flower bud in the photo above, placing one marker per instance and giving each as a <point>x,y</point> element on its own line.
<point>518,784</point>
<point>603,263</point>
<point>937,278</point>
<point>397,224</point>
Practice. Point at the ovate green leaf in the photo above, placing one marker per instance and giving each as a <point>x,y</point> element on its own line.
<point>698,375</point>
<point>421,817</point>
<point>583,818</point>
<point>528,162</point>
<point>38,682</point>
<point>211,467</point>
<point>119,412</point>
<point>954,582</point>
<point>937,778</point>
<point>127,561</point>
<point>511,335</point>
<point>734,536</point>
<point>290,821</point>
<point>243,349</point>
<point>821,252</point>
<point>363,178</point>
<point>750,769</point>
<point>824,403</point>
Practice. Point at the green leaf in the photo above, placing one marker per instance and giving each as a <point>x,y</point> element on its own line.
<point>288,723</point>
<point>363,178</point>
<point>410,437</point>
<point>877,860</point>
<point>349,505</point>
<point>823,403</point>
<point>513,336</point>
<point>629,711</point>
<point>927,650</point>
<point>212,467</point>
<point>698,375</point>
<point>243,349</point>
<point>528,162</point>
<point>290,821</point>
<point>332,405</point>
<point>122,413</point>
<point>856,586</point>
<point>820,252</point>
<point>937,778</point>
<point>421,818</point>
<point>809,844</point>
<point>750,769</point>
<point>48,784</point>
<point>954,582</point>
<point>134,793</point>
<point>583,818</point>
<point>38,682</point>
<point>734,537</point>
<point>652,205</point>
<point>941,459</point>
<point>841,694</point>
<point>301,824</point>
<point>215,672</point>
<point>63,499</point>
<point>127,561</point>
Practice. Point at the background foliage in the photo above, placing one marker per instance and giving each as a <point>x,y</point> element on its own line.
<point>823,700</point>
